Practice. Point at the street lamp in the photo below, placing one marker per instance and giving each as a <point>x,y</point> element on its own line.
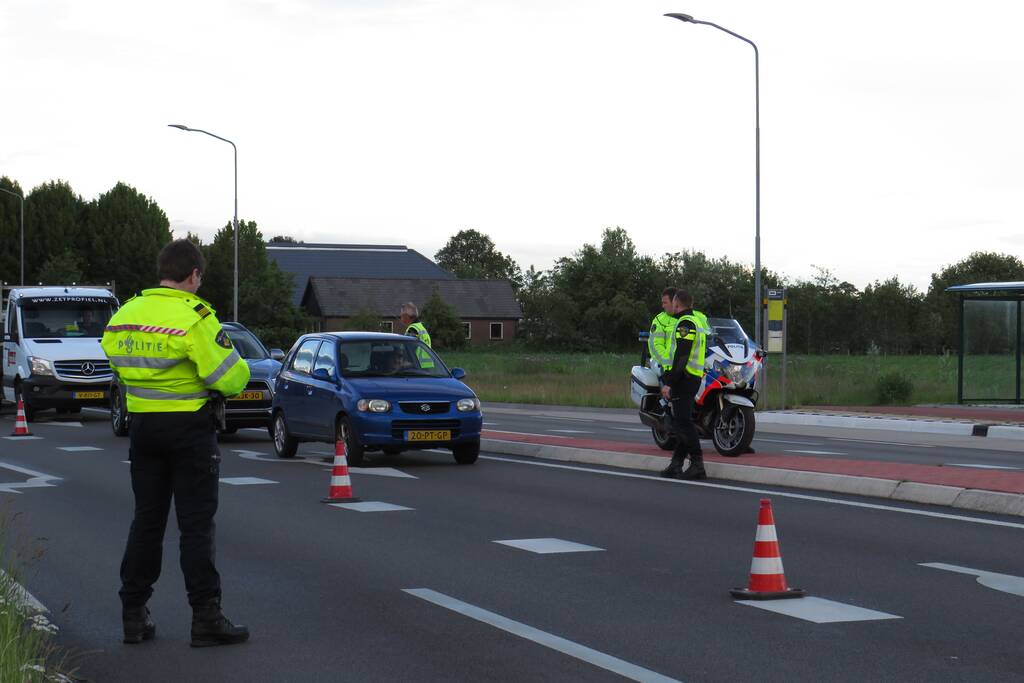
<point>197,130</point>
<point>757,164</point>
<point>22,199</point>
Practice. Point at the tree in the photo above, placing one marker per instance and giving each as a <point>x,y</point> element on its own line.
<point>277,239</point>
<point>612,292</point>
<point>470,254</point>
<point>264,291</point>
<point>944,308</point>
<point>443,323</point>
<point>126,231</point>
<point>548,316</point>
<point>364,321</point>
<point>61,268</point>
<point>54,219</point>
<point>10,231</point>
<point>889,317</point>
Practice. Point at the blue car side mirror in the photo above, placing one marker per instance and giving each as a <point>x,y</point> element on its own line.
<point>458,373</point>
<point>323,375</point>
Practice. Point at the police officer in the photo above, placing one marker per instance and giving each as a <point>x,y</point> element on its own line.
<point>659,342</point>
<point>409,315</point>
<point>170,353</point>
<point>682,383</point>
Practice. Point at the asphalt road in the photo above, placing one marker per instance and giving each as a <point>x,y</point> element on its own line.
<point>326,590</point>
<point>853,444</point>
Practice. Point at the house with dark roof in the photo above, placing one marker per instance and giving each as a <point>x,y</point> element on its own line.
<point>305,261</point>
<point>488,308</point>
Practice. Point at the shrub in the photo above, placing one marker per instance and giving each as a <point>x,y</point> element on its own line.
<point>894,387</point>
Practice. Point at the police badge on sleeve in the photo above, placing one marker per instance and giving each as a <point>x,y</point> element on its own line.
<point>223,339</point>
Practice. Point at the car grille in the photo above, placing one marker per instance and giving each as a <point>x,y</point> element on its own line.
<point>399,427</point>
<point>432,407</point>
<point>77,369</point>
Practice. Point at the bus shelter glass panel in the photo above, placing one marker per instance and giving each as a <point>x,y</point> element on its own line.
<point>990,350</point>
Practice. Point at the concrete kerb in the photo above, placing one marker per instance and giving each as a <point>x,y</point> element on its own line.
<point>854,422</point>
<point>907,491</point>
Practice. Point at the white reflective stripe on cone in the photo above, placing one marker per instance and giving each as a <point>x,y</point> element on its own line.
<point>340,460</point>
<point>341,481</point>
<point>765,533</point>
<point>766,565</point>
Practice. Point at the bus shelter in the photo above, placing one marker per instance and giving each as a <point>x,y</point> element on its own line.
<point>991,331</point>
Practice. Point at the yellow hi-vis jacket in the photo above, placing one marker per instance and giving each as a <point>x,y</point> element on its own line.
<point>698,335</point>
<point>659,343</point>
<point>418,330</point>
<point>167,346</point>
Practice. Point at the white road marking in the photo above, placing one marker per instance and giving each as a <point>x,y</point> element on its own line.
<point>798,443</point>
<point>127,462</point>
<point>381,472</point>
<point>547,546</point>
<point>1007,583</point>
<point>62,424</point>
<point>105,411</point>
<point>370,506</point>
<point>256,455</point>
<point>22,438</point>
<point>78,449</point>
<point>778,494</point>
<point>552,436</point>
<point>981,467</point>
<point>36,479</point>
<point>25,601</point>
<point>569,431</point>
<point>818,610</point>
<point>246,481</point>
<point>883,443</point>
<point>581,652</point>
<point>491,424</point>
<point>632,429</point>
<point>815,452</point>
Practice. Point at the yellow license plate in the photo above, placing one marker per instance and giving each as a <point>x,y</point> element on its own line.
<point>88,394</point>
<point>249,396</point>
<point>428,435</point>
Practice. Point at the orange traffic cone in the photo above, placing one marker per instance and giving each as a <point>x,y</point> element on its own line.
<point>767,579</point>
<point>341,483</point>
<point>20,423</point>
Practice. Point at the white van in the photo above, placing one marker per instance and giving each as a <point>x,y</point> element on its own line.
<point>52,356</point>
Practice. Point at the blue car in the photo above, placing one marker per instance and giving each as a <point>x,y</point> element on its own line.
<point>374,391</point>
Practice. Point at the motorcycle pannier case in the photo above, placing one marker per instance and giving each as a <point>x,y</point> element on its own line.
<point>643,382</point>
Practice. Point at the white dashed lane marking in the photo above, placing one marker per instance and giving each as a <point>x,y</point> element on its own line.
<point>569,431</point>
<point>245,481</point>
<point>22,438</point>
<point>816,452</point>
<point>547,546</point>
<point>381,472</point>
<point>981,467</point>
<point>370,506</point>
<point>818,610</point>
<point>78,449</point>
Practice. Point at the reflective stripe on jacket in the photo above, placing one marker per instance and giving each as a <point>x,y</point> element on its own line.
<point>167,346</point>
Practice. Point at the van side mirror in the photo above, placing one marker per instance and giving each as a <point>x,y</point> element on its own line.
<point>277,354</point>
<point>458,373</point>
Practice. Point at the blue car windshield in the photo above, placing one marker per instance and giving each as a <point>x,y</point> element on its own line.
<point>389,358</point>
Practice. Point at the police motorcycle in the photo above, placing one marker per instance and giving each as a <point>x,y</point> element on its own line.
<point>724,407</point>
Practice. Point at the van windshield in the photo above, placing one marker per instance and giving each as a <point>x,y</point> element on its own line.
<point>65,317</point>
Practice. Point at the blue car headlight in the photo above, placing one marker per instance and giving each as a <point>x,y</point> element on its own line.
<point>466,405</point>
<point>375,405</point>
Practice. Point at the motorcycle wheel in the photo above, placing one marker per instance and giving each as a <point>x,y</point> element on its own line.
<point>666,440</point>
<point>733,430</point>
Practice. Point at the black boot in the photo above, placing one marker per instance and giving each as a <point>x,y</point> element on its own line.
<point>210,627</point>
<point>674,469</point>
<point>696,468</point>
<point>137,625</point>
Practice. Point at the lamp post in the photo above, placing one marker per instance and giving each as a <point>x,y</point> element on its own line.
<point>22,221</point>
<point>197,130</point>
<point>757,164</point>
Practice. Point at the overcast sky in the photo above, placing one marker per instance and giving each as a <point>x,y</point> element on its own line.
<point>892,138</point>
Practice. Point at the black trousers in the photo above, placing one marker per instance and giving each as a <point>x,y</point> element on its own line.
<point>683,395</point>
<point>173,455</point>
